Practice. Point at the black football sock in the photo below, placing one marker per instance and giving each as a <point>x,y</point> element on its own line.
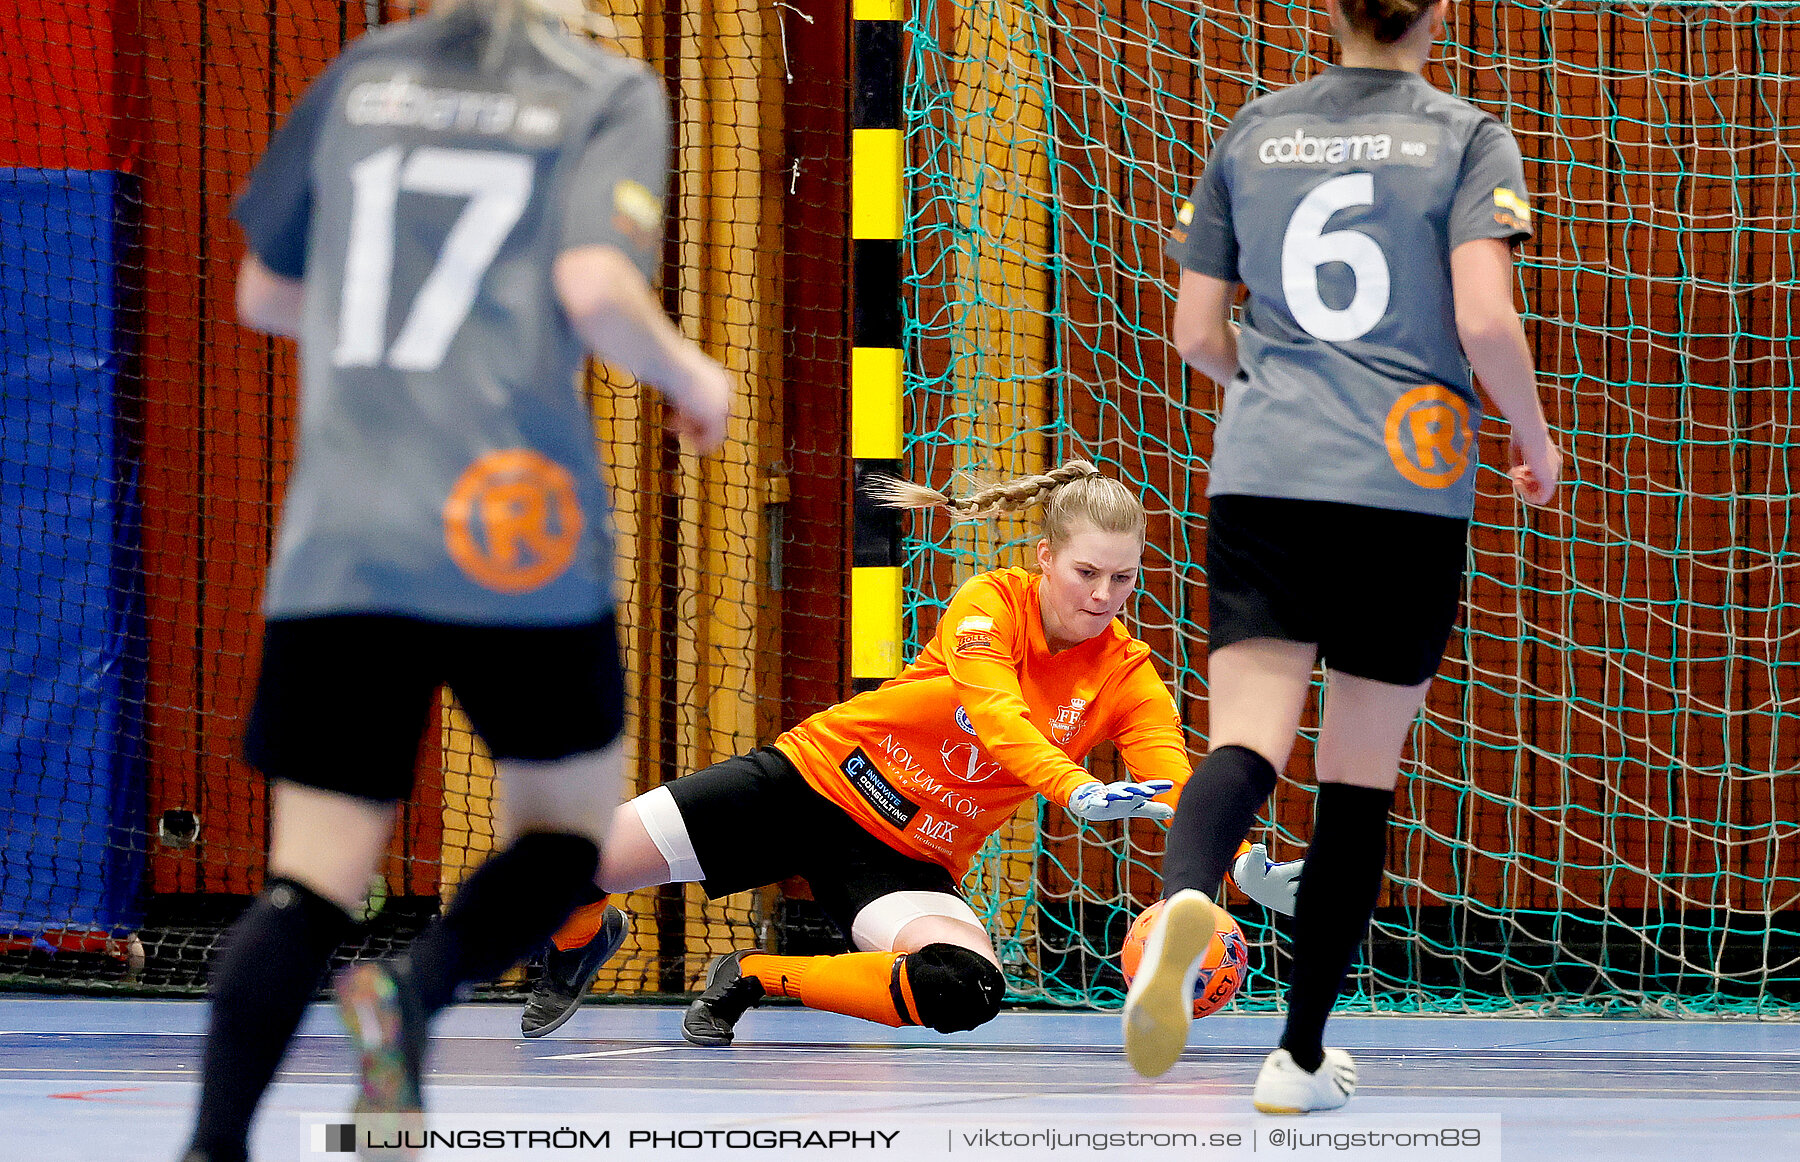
<point>502,913</point>
<point>1338,889</point>
<point>1217,808</point>
<point>273,959</point>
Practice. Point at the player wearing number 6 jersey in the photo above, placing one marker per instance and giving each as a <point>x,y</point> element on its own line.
<point>881,802</point>
<point>453,215</point>
<point>1370,217</point>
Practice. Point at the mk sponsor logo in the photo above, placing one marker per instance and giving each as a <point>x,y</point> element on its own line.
<point>940,831</point>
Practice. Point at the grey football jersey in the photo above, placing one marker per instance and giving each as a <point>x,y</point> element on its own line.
<point>447,466</point>
<point>1337,203</point>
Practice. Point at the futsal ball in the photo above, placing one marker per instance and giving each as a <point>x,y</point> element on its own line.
<point>1223,965</point>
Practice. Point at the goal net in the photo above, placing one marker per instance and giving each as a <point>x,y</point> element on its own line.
<point>1599,805</point>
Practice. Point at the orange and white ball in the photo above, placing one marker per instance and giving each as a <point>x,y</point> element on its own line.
<point>1223,965</point>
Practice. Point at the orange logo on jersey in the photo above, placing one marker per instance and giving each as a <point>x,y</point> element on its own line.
<point>512,521</point>
<point>1428,436</point>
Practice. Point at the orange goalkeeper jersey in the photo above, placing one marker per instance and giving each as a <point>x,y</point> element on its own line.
<point>937,759</point>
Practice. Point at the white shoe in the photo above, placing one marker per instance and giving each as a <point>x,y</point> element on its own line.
<point>1284,1088</point>
<point>1160,1006</point>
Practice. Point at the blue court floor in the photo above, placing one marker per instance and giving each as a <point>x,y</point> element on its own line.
<point>85,1079</point>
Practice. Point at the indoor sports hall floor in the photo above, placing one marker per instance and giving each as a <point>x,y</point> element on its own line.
<point>86,1079</point>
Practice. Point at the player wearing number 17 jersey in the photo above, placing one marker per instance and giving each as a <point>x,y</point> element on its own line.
<point>1371,218</point>
<point>453,215</point>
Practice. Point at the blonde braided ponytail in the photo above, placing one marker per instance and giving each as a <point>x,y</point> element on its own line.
<point>1073,492</point>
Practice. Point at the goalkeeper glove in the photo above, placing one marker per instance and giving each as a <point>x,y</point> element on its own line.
<point>1273,885</point>
<point>1097,802</point>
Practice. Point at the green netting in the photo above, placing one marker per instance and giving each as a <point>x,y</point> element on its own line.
<point>1603,794</point>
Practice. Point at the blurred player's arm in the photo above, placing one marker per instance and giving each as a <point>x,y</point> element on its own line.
<point>275,210</point>
<point>614,310</point>
<point>1481,278</point>
<point>266,300</point>
<point>1203,331</point>
<point>611,250</point>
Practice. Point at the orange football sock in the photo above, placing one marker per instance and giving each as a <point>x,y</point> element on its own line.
<point>870,985</point>
<point>580,927</point>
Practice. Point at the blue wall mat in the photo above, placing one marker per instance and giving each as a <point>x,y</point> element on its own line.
<point>71,674</point>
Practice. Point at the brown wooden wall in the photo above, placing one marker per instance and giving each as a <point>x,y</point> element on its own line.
<point>218,409</point>
<point>719,657</point>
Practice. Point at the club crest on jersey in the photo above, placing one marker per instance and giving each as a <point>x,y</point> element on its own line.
<point>962,720</point>
<point>974,633</point>
<point>637,215</point>
<point>1065,724</point>
<point>1184,217</point>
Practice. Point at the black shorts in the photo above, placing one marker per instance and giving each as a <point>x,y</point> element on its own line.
<point>341,701</point>
<point>1377,589</point>
<point>755,820</point>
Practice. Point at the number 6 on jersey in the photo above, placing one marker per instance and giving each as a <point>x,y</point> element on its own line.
<point>1307,246</point>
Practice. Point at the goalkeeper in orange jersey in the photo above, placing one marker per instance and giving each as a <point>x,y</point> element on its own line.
<point>881,802</point>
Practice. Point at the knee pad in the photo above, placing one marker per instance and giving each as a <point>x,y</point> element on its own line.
<point>953,989</point>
